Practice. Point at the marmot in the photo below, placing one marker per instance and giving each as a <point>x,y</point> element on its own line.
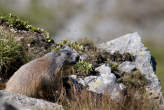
<point>41,73</point>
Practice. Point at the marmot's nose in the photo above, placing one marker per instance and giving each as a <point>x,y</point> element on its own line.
<point>77,58</point>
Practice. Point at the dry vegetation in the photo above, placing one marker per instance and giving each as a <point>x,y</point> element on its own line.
<point>135,98</point>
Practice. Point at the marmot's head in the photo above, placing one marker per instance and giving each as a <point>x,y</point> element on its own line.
<point>67,55</point>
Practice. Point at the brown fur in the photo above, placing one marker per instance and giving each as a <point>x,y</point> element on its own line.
<point>39,74</point>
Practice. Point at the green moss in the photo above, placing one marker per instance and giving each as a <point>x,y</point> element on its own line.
<point>12,55</point>
<point>19,24</point>
<point>75,45</point>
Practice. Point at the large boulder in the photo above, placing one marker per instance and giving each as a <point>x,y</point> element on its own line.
<point>129,56</point>
<point>144,62</point>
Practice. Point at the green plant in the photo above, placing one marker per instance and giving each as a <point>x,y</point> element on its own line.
<point>84,67</point>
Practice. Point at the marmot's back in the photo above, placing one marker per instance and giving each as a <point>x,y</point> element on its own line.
<point>39,73</point>
<point>28,78</point>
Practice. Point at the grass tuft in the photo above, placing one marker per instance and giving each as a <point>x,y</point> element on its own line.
<point>12,55</point>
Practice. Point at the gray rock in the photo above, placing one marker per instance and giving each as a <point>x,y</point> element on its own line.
<point>20,102</point>
<point>132,44</point>
<point>127,66</point>
<point>104,69</point>
<point>105,83</point>
<point>6,105</point>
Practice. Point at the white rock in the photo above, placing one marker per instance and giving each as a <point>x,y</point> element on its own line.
<point>127,66</point>
<point>105,83</point>
<point>104,69</point>
<point>132,44</point>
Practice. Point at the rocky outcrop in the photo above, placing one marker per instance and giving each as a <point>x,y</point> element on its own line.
<point>144,62</point>
<point>11,101</point>
<point>138,58</point>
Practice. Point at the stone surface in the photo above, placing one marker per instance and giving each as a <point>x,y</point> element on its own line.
<point>105,83</point>
<point>127,66</point>
<point>104,69</point>
<point>20,102</point>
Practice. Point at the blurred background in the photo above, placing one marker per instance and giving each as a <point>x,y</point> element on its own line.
<point>100,20</point>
